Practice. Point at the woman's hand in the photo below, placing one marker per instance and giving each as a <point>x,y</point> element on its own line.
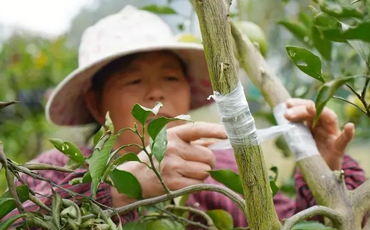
<point>186,162</point>
<point>330,140</point>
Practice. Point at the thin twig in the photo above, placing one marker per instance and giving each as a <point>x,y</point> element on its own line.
<point>177,218</point>
<point>150,156</point>
<point>37,176</point>
<point>363,94</point>
<point>343,99</point>
<point>317,210</point>
<point>193,210</point>
<point>353,90</point>
<point>190,189</point>
<point>186,221</point>
<point>40,166</point>
<point>5,104</point>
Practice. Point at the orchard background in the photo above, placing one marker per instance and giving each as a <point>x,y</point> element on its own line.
<point>31,64</point>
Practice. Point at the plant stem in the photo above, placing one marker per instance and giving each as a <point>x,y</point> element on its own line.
<point>333,215</point>
<point>178,219</point>
<point>353,90</point>
<point>184,191</point>
<point>186,221</point>
<point>36,176</point>
<point>193,210</point>
<point>5,104</point>
<point>217,41</point>
<point>41,166</point>
<point>150,156</point>
<point>343,99</point>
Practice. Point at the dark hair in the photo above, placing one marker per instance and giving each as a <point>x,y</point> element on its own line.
<point>100,78</point>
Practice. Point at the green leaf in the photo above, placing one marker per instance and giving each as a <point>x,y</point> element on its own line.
<point>326,92</point>
<point>333,35</point>
<point>305,19</point>
<point>274,187</point>
<point>296,29</point>
<point>159,145</point>
<point>142,113</point>
<point>159,9</point>
<point>359,32</point>
<point>125,158</point>
<point>126,183</point>
<point>362,49</point>
<point>322,44</point>
<point>276,171</point>
<point>68,149</point>
<point>7,223</point>
<point>306,61</point>
<point>288,188</point>
<point>339,11</point>
<point>134,226</point>
<point>80,180</point>
<point>163,224</point>
<point>7,203</point>
<point>221,219</point>
<point>56,207</point>
<point>307,225</point>
<point>98,135</point>
<point>108,123</point>
<point>228,178</point>
<point>327,21</point>
<point>157,125</point>
<point>99,161</point>
<point>180,26</point>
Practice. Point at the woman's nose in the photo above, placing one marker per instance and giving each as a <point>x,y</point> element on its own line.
<point>155,93</point>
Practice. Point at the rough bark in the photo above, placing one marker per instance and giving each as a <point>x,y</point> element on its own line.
<point>214,22</point>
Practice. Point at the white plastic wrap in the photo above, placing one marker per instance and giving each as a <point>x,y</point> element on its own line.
<point>236,117</point>
<point>299,138</point>
<point>262,135</point>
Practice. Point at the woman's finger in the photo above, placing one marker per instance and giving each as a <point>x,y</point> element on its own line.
<point>293,102</point>
<point>345,137</point>
<point>299,113</point>
<point>194,170</point>
<point>204,143</point>
<point>197,153</point>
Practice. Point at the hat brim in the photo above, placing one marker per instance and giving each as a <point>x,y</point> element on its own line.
<point>66,105</point>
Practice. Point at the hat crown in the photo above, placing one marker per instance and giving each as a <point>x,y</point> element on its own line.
<point>122,31</point>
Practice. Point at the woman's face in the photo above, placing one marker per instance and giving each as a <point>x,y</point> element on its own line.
<point>151,77</point>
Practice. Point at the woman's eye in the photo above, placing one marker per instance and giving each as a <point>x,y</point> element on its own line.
<point>134,82</point>
<point>171,78</point>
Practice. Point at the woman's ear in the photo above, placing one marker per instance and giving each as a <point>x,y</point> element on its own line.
<point>93,103</point>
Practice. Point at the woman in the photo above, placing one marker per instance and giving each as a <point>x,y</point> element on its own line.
<point>132,57</point>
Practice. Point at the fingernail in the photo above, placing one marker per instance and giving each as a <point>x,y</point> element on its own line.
<point>289,113</point>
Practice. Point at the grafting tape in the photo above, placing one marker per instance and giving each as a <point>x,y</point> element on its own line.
<point>240,126</point>
<point>236,116</point>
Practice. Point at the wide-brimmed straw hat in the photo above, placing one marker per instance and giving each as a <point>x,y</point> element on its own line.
<point>129,31</point>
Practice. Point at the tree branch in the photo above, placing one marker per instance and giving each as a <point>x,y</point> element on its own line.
<point>190,189</point>
<point>210,226</point>
<point>361,199</point>
<point>5,104</point>
<point>333,215</point>
<point>214,23</point>
<point>313,168</point>
<point>193,210</point>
